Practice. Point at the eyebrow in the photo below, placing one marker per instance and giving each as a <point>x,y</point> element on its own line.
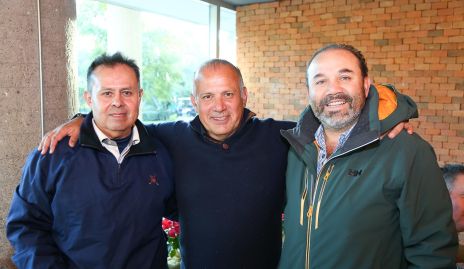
<point>345,70</point>
<point>118,89</point>
<point>342,71</point>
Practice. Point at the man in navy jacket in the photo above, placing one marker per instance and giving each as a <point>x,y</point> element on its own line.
<point>100,204</point>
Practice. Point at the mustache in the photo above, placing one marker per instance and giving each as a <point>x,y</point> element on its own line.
<point>338,96</point>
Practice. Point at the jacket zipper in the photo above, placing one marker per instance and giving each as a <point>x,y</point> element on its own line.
<point>311,206</point>
<point>309,215</point>
<point>321,193</point>
<point>303,196</point>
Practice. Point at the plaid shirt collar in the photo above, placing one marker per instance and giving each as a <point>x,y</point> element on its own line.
<point>322,157</point>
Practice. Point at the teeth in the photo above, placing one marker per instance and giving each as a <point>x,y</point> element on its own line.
<point>336,103</point>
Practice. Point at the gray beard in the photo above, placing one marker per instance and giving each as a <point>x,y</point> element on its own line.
<point>337,121</point>
<point>334,120</point>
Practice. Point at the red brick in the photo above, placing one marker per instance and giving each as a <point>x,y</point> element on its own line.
<point>386,3</point>
<point>423,6</point>
<point>445,12</point>
<point>440,40</point>
<point>439,5</point>
<point>407,8</point>
<point>456,39</point>
<point>455,4</point>
<point>429,13</point>
<point>437,19</point>
<point>421,49</point>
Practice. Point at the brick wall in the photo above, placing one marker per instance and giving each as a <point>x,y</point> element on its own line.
<point>417,45</point>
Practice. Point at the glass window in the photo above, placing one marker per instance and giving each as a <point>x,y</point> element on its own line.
<point>227,35</point>
<point>167,42</point>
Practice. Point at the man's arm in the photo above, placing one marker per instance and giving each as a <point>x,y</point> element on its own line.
<point>428,231</point>
<point>399,127</point>
<point>29,222</point>
<point>71,128</point>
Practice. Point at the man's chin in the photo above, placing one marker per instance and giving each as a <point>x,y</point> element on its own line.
<point>120,127</point>
<point>337,123</point>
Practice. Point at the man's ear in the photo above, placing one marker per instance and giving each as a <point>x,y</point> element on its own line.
<point>140,94</point>
<point>88,98</point>
<point>244,95</point>
<point>367,85</point>
<point>194,102</point>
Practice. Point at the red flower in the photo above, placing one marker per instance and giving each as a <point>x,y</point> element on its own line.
<point>166,224</point>
<point>172,229</point>
<point>172,233</point>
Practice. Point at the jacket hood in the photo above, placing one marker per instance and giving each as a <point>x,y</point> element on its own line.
<point>368,127</point>
<point>88,138</point>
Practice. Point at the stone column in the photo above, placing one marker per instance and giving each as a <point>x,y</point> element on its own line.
<point>27,102</point>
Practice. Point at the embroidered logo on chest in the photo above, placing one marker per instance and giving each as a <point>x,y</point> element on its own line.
<point>153,180</point>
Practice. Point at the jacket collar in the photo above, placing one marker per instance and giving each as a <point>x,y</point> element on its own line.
<point>198,127</point>
<point>366,130</point>
<point>89,138</point>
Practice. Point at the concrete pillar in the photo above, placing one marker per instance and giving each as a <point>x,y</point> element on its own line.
<point>22,112</point>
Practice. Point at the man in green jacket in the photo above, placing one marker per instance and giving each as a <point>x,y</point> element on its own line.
<point>355,198</point>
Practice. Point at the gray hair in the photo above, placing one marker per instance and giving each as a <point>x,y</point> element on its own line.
<point>215,64</point>
<point>450,173</point>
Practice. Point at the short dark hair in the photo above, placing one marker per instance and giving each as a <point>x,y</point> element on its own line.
<point>450,173</point>
<point>357,53</point>
<point>112,60</point>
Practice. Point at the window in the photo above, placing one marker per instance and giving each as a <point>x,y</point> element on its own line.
<point>168,43</point>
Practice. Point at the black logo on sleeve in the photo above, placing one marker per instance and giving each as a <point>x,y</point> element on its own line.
<point>354,173</point>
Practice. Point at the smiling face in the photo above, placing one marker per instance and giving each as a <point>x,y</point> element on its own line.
<point>114,99</point>
<point>218,100</point>
<point>457,199</point>
<point>337,89</point>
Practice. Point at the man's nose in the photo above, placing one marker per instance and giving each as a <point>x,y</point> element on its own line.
<point>116,100</point>
<point>219,104</point>
<point>334,87</point>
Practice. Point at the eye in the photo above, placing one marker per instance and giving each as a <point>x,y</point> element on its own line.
<point>206,97</point>
<point>346,78</point>
<point>107,93</point>
<point>319,82</point>
<point>127,93</point>
<point>229,94</point>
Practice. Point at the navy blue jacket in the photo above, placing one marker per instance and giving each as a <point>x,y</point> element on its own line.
<point>77,208</point>
<point>230,195</point>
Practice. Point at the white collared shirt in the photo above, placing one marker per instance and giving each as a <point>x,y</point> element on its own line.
<point>112,146</point>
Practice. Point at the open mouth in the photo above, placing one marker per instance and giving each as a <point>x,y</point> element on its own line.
<point>336,103</point>
<point>336,100</point>
<point>220,119</point>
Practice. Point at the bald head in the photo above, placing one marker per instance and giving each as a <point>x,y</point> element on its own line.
<point>214,65</point>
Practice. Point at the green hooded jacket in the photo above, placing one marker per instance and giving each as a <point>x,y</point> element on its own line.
<point>377,202</point>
